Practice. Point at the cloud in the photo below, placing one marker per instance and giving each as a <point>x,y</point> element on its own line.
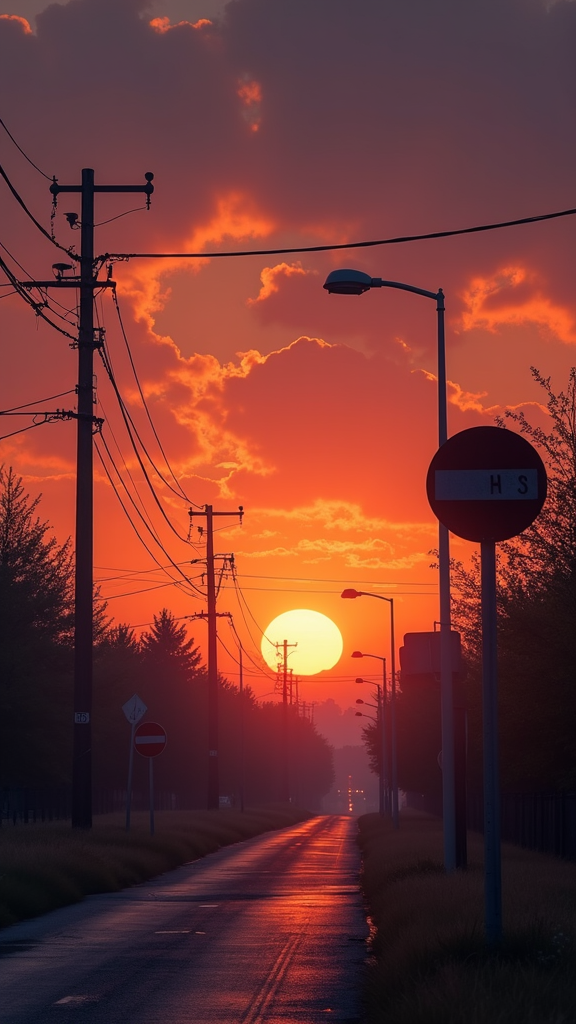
<point>23,23</point>
<point>511,297</point>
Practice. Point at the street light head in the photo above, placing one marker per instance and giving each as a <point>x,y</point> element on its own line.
<point>358,714</point>
<point>350,593</point>
<point>347,282</point>
<point>359,700</point>
<point>356,654</point>
<point>360,680</point>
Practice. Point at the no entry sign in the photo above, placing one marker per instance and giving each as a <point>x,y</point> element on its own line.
<point>486,484</point>
<point>149,739</point>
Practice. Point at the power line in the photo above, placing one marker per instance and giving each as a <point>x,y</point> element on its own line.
<point>15,408</point>
<point>36,306</point>
<point>182,493</point>
<point>343,245</point>
<point>132,430</point>
<point>177,583</point>
<point>37,223</point>
<point>25,155</point>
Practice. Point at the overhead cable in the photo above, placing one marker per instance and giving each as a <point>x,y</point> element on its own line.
<point>342,245</point>
<point>181,492</point>
<point>132,430</point>
<point>135,528</point>
<point>41,228</point>
<point>25,155</point>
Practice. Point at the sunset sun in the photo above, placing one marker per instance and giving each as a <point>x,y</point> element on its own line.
<point>318,639</point>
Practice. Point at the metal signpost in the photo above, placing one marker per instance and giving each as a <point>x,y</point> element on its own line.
<point>134,709</point>
<point>488,484</point>
<point>150,740</point>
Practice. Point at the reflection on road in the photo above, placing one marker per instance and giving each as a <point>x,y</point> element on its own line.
<point>270,930</point>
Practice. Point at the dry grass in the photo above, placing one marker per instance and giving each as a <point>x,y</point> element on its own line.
<point>43,867</point>
<point>430,964</point>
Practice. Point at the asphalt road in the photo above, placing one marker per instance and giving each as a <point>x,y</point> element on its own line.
<point>270,930</point>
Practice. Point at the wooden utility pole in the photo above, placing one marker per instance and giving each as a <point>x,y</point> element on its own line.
<point>87,282</point>
<point>213,796</point>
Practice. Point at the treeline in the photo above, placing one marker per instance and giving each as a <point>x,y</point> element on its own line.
<point>536,638</point>
<point>163,666</point>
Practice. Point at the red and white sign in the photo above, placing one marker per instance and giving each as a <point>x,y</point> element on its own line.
<point>150,739</point>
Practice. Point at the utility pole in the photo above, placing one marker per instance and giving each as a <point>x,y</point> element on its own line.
<point>213,797</point>
<point>285,787</point>
<point>87,282</point>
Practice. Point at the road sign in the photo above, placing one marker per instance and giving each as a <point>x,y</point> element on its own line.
<point>134,709</point>
<point>149,739</point>
<point>486,484</point>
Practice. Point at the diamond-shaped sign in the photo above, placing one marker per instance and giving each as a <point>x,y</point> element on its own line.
<point>134,709</point>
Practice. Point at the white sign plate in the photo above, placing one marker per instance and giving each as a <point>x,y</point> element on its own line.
<point>134,709</point>
<point>486,484</point>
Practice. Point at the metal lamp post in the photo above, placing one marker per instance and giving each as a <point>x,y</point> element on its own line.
<point>381,692</point>
<point>355,282</point>
<point>362,593</point>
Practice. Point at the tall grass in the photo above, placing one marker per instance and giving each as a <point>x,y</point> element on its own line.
<point>43,867</point>
<point>430,964</point>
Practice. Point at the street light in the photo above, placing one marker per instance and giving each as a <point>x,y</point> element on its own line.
<point>355,282</point>
<point>358,654</point>
<point>381,698</point>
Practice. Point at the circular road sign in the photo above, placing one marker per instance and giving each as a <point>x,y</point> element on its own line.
<point>486,483</point>
<point>149,739</point>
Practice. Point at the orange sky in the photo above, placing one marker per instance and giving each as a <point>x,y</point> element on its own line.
<point>286,123</point>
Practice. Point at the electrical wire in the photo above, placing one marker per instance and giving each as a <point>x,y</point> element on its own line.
<point>41,229</point>
<point>118,216</point>
<point>132,430</point>
<point>177,583</point>
<point>151,530</point>
<point>25,155</point>
<point>343,245</point>
<point>37,307</point>
<point>126,467</point>
<point>181,491</point>
<point>24,429</point>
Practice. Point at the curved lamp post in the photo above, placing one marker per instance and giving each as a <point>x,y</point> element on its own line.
<point>355,282</point>
<point>381,705</point>
<point>362,593</point>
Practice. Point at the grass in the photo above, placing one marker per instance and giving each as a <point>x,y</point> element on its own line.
<point>429,962</point>
<point>43,867</point>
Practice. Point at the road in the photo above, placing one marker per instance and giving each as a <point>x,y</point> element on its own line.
<point>270,931</point>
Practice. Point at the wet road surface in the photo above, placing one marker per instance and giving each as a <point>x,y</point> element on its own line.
<point>270,931</point>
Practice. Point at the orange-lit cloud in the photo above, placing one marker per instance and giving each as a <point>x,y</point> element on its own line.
<point>271,277</point>
<point>23,22</point>
<point>250,93</point>
<point>513,296</point>
<point>163,25</point>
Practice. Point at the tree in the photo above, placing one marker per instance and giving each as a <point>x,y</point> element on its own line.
<point>36,623</point>
<point>166,641</point>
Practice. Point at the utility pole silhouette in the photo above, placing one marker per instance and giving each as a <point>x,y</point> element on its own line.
<point>213,800</point>
<point>285,785</point>
<point>88,342</point>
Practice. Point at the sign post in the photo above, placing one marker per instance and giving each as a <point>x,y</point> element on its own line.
<point>150,740</point>
<point>488,484</point>
<point>134,709</point>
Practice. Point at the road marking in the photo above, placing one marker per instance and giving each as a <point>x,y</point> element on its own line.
<point>75,1000</point>
<point>173,931</point>
<point>206,906</point>
<point>255,1014</point>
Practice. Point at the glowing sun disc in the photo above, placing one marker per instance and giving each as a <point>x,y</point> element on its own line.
<point>319,641</point>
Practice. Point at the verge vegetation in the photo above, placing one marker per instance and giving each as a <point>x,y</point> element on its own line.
<point>43,867</point>
<point>429,963</point>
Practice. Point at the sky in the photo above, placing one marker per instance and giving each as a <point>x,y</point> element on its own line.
<point>287,124</point>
